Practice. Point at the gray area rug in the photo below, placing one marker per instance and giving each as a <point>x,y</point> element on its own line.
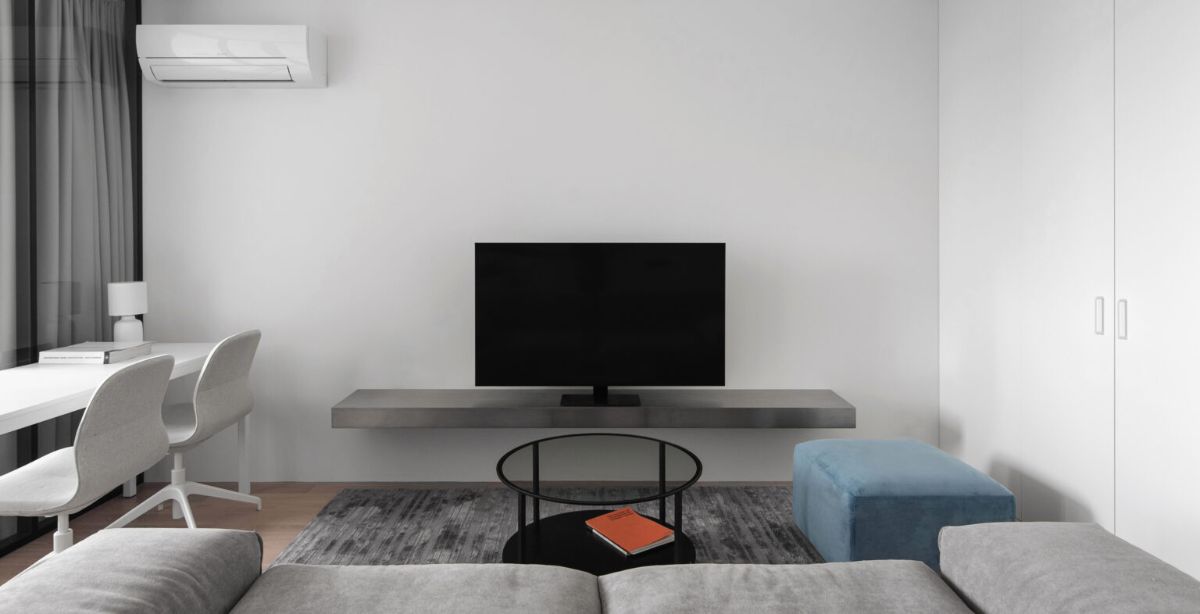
<point>728,524</point>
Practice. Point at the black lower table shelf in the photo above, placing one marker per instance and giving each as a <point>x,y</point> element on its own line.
<point>565,540</point>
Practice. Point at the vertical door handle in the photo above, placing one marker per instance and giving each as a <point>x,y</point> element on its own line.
<point>1122,319</point>
<point>1099,315</point>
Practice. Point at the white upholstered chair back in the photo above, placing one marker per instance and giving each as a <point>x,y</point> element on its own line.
<point>122,433</point>
<point>223,392</point>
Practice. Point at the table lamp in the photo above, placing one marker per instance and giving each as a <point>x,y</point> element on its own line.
<point>127,299</point>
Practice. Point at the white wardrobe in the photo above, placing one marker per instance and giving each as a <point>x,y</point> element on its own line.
<point>1070,259</point>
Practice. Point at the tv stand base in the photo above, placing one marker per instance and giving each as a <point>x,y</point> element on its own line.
<point>601,398</point>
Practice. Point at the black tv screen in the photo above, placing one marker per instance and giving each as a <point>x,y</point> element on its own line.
<point>600,314</point>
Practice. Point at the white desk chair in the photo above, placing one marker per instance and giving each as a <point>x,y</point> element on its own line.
<point>121,435</point>
<point>222,398</point>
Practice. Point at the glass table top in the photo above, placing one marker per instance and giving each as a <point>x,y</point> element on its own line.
<point>599,469</point>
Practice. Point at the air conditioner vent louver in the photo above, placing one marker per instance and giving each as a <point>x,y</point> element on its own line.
<point>231,56</point>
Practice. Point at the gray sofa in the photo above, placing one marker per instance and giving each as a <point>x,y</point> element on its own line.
<point>1006,567</point>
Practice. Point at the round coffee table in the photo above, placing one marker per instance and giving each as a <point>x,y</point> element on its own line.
<point>595,470</point>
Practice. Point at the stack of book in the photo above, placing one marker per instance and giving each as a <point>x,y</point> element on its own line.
<point>630,532</point>
<point>94,353</point>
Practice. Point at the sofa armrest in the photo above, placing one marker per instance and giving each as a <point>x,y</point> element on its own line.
<point>1059,567</point>
<point>141,570</point>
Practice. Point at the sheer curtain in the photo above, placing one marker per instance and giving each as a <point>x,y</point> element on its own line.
<point>85,190</point>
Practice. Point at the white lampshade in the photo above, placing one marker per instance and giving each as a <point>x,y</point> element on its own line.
<point>127,298</point>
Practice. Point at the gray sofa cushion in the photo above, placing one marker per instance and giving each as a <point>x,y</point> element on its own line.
<point>1059,567</point>
<point>422,588</point>
<point>865,586</point>
<point>140,570</point>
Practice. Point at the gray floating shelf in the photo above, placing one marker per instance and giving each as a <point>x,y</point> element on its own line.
<point>540,408</point>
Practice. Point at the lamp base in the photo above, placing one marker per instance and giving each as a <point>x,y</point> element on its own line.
<point>128,329</point>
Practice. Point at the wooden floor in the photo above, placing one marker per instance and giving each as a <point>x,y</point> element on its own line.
<point>287,508</point>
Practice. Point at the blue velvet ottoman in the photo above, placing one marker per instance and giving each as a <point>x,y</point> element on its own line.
<point>861,499</point>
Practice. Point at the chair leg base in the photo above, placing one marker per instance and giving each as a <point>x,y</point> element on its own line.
<point>178,495</point>
<point>204,490</point>
<point>170,492</point>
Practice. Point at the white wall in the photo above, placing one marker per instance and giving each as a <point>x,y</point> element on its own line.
<point>340,221</point>
<point>980,143</point>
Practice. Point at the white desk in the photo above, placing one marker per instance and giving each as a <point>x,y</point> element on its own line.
<point>36,393</point>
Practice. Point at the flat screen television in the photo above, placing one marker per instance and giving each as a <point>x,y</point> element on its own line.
<point>600,315</point>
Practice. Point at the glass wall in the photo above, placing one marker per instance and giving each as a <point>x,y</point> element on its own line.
<point>69,189</point>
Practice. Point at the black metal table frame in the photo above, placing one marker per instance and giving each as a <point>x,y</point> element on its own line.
<point>536,495</point>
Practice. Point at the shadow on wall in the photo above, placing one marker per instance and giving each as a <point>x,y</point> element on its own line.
<point>950,435</point>
<point>1037,500</point>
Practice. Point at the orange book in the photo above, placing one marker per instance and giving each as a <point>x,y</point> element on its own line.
<point>629,531</point>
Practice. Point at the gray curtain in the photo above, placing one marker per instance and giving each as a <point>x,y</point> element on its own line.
<point>85,190</point>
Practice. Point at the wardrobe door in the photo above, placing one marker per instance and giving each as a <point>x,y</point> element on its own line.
<point>1158,278</point>
<point>1026,208</point>
<point>1064,396</point>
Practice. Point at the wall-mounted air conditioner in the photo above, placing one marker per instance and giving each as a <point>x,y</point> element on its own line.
<point>231,56</point>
